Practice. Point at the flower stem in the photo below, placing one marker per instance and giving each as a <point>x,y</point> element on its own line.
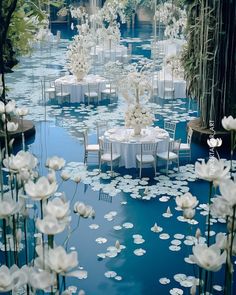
<point>209,215</point>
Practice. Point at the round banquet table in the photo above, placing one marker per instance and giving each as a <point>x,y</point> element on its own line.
<point>125,143</point>
<point>77,89</point>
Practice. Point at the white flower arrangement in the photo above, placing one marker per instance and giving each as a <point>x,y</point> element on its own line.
<point>174,63</point>
<point>138,115</point>
<point>173,17</point>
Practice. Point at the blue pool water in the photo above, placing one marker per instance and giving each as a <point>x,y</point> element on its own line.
<point>58,130</point>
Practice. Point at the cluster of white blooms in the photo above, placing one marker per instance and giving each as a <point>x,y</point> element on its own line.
<point>78,12</point>
<point>78,59</point>
<point>138,116</point>
<point>173,17</point>
<point>108,34</point>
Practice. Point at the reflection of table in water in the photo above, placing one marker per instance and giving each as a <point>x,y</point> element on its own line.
<point>116,52</point>
<point>78,88</point>
<point>128,145</point>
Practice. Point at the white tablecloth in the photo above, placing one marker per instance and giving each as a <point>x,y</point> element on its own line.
<point>116,52</point>
<point>178,83</point>
<point>78,88</point>
<point>128,145</point>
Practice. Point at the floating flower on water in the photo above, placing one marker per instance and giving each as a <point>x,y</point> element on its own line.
<point>41,189</point>
<point>229,123</point>
<point>214,170</point>
<point>139,252</point>
<point>83,210</point>
<point>11,279</point>
<point>186,201</point>
<point>50,225</point>
<point>189,213</point>
<point>214,142</point>
<point>55,163</point>
<point>156,228</point>
<point>209,258</point>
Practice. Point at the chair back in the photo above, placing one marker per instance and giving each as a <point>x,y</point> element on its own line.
<point>189,136</point>
<point>105,146</point>
<point>93,87</point>
<point>102,126</point>
<point>149,148</point>
<point>104,197</point>
<point>174,146</point>
<point>170,127</point>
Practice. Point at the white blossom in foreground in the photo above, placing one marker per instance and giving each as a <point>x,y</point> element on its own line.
<point>41,189</point>
<point>214,170</point>
<point>11,279</point>
<point>209,258</point>
<point>12,126</point>
<point>39,279</point>
<point>50,225</point>
<point>8,207</point>
<point>186,201</point>
<point>229,123</point>
<point>58,208</point>
<point>55,163</point>
<point>22,160</point>
<point>228,191</point>
<point>83,210</point>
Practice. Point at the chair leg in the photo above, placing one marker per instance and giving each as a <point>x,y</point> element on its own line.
<point>155,170</point>
<point>167,167</point>
<point>85,157</point>
<point>140,170</point>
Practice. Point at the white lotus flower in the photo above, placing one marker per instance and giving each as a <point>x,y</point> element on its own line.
<point>55,163</point>
<point>214,170</point>
<point>209,258</point>
<point>58,208</point>
<point>83,210</point>
<point>186,201</point>
<point>12,126</point>
<point>22,160</point>
<point>11,279</point>
<point>8,207</point>
<point>39,279</point>
<point>65,175</point>
<point>228,191</point>
<point>229,123</point>
<point>214,142</point>
<point>10,106</point>
<point>50,225</point>
<point>41,189</point>
<point>2,107</point>
<point>220,208</point>
<point>22,111</point>
<point>61,262</point>
<point>189,213</point>
<point>221,241</point>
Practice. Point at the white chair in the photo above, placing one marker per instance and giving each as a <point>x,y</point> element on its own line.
<point>110,91</point>
<point>107,155</point>
<point>61,95</point>
<point>102,127</point>
<point>90,148</point>
<point>147,156</point>
<point>92,92</point>
<point>48,88</point>
<point>104,197</point>
<point>170,127</point>
<point>185,148</point>
<point>171,155</point>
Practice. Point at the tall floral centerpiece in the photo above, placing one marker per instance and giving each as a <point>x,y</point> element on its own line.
<point>78,54</point>
<point>136,89</point>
